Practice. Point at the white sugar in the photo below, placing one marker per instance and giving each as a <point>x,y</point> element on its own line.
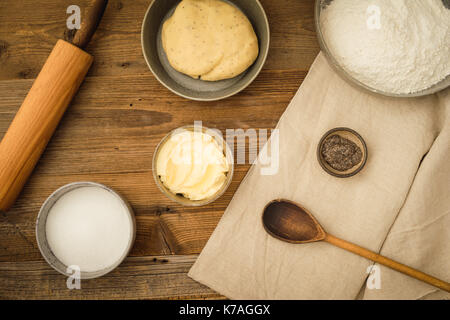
<point>88,227</point>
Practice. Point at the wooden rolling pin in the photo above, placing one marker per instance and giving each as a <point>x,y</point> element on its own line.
<point>44,106</point>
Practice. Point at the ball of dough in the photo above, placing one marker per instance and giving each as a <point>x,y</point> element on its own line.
<point>209,39</point>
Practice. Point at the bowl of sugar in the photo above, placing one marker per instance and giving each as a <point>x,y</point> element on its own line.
<point>85,227</point>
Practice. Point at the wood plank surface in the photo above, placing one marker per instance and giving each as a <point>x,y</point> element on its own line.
<point>110,131</point>
<point>137,278</point>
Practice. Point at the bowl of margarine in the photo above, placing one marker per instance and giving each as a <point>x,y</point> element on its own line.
<point>193,165</point>
<point>205,49</point>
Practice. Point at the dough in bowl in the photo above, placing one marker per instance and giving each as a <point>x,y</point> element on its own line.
<point>209,39</point>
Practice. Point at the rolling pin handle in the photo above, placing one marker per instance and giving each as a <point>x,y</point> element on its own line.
<point>89,23</point>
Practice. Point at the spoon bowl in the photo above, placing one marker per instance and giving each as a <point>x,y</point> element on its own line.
<point>289,222</point>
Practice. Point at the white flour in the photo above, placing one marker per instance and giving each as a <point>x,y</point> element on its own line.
<point>398,46</point>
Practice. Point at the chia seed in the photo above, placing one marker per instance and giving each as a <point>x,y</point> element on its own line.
<point>340,153</point>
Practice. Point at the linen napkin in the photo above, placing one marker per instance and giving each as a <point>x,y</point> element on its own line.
<point>420,236</point>
<point>385,203</point>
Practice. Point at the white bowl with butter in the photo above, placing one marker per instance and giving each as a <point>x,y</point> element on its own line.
<point>193,166</point>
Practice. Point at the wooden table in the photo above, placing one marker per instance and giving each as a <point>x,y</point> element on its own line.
<point>109,133</point>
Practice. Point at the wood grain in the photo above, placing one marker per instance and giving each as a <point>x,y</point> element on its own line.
<point>137,278</point>
<point>111,129</point>
<point>29,29</point>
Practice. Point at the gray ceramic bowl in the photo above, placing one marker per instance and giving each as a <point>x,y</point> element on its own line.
<point>41,236</point>
<point>183,85</point>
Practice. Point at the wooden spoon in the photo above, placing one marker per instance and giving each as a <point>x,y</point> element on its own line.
<point>287,221</point>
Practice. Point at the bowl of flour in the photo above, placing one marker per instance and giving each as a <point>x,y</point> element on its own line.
<point>396,48</point>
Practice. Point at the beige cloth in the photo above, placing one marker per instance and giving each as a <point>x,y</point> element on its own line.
<point>395,203</point>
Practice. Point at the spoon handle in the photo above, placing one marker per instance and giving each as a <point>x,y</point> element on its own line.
<point>388,262</point>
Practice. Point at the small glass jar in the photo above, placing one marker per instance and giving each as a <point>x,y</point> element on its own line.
<point>180,198</point>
